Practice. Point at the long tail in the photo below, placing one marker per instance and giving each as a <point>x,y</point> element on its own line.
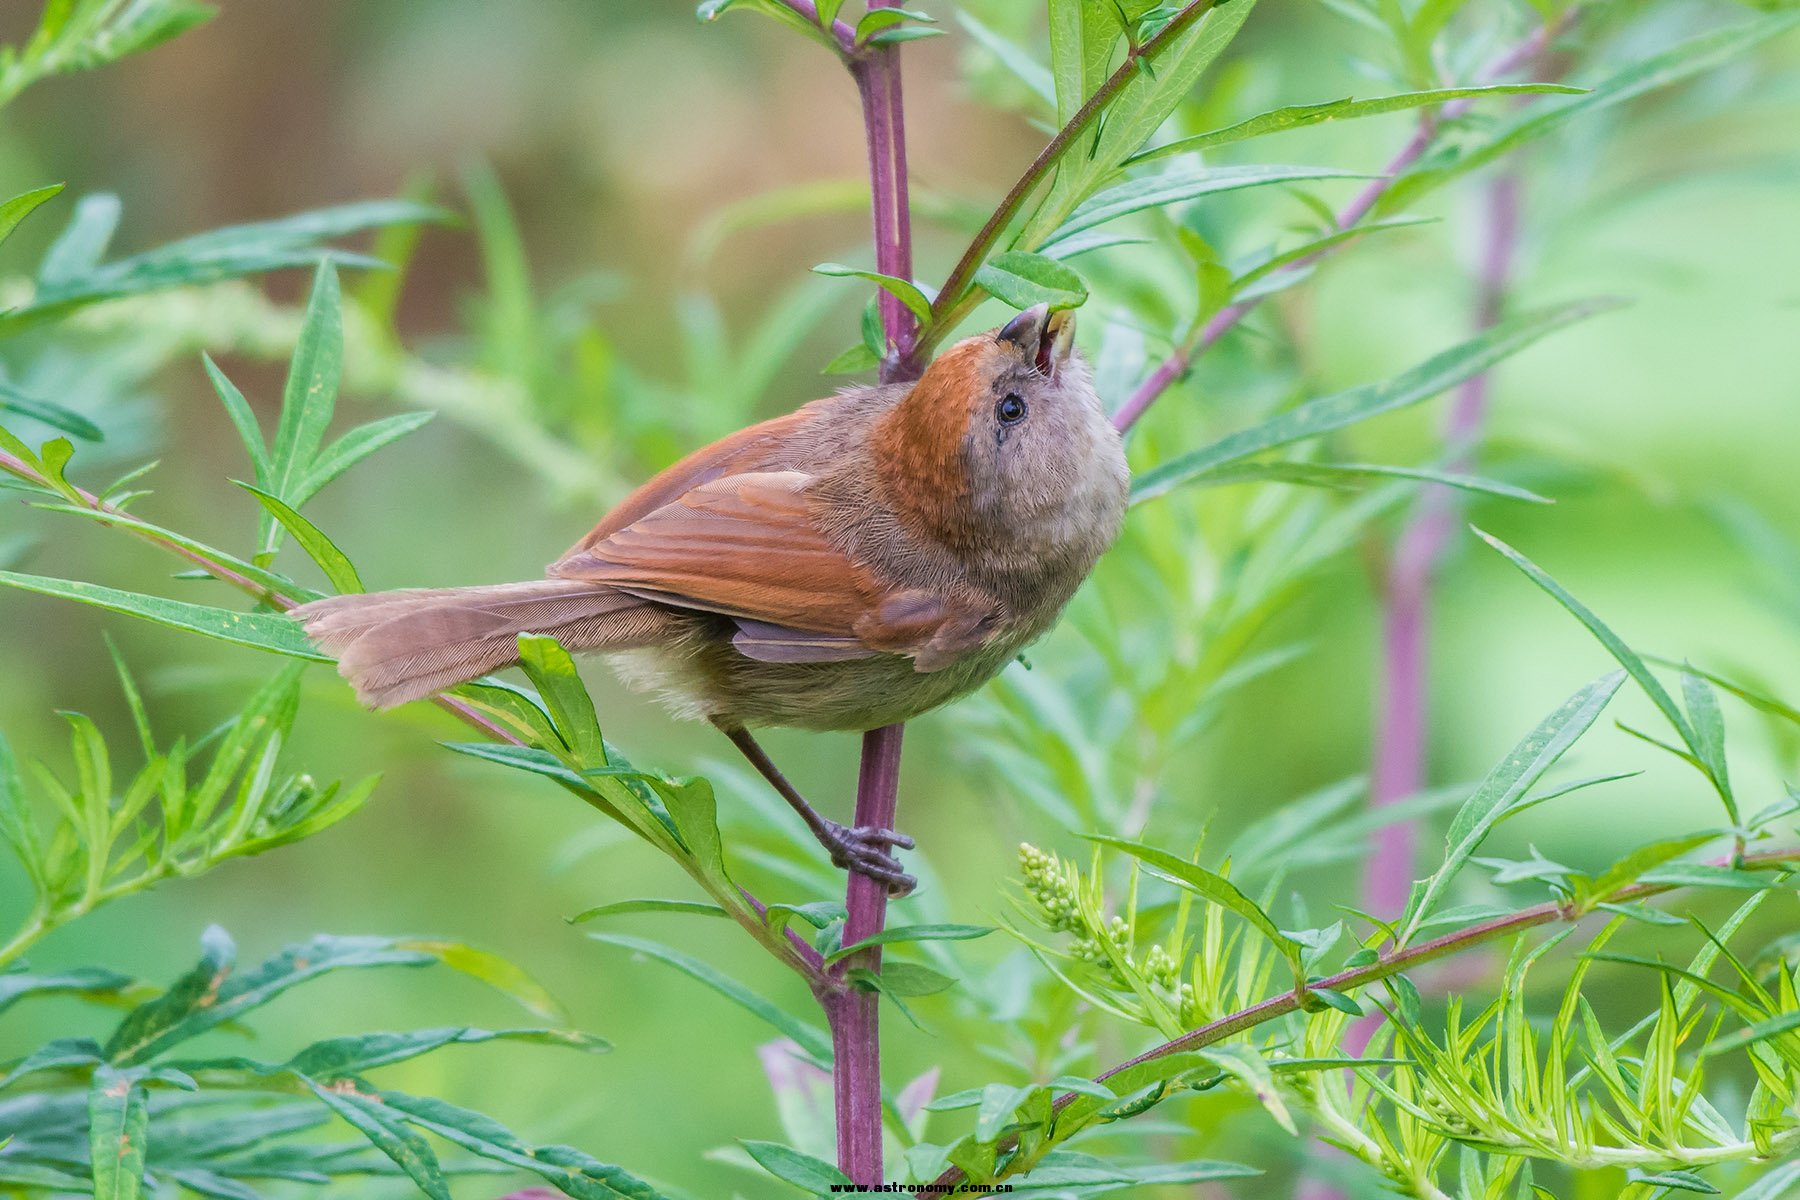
<point>406,645</point>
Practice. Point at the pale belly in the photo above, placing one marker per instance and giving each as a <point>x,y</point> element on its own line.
<point>705,679</point>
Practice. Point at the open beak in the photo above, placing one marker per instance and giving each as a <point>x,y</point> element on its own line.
<point>1045,337</point>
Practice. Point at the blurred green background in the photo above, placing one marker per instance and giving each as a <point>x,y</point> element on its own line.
<point>620,133</point>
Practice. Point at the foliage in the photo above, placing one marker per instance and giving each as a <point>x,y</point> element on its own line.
<point>1662,1043</point>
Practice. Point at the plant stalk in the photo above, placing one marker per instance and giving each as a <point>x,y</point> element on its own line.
<point>950,299</point>
<point>854,1013</point>
<point>1227,318</point>
<point>1393,963</point>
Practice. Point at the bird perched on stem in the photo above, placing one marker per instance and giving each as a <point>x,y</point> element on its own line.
<point>847,566</point>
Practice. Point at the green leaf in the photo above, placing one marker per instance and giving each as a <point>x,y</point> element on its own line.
<point>1178,186</point>
<point>552,672</point>
<point>1212,886</point>
<point>1342,475</point>
<point>118,1134</point>
<point>1503,792</point>
<point>1010,55</point>
<point>388,1133</point>
<point>1682,61</point>
<point>1022,279</point>
<point>911,979</point>
<point>335,1058</point>
<point>907,33</point>
<point>1759,1031</point>
<point>21,206</point>
<point>856,359</point>
<point>53,1055</point>
<point>310,397</point>
<point>1630,868</point>
<point>273,632</point>
<point>811,1175</point>
<point>1430,378</point>
<point>574,1173</point>
<point>321,549</point>
<point>53,415</point>
<point>355,446</point>
<point>73,276</point>
<point>242,419</point>
<point>19,829</point>
<point>905,289</point>
<point>620,907</point>
<point>911,933</point>
<point>1709,733</point>
<point>1627,658</point>
<point>89,982</point>
<point>147,1027</point>
<point>808,1037</point>
<point>501,974</point>
<point>1299,116</point>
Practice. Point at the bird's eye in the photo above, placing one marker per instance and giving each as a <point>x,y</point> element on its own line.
<point>1010,409</point>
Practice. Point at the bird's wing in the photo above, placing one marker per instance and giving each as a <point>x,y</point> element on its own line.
<point>746,546</point>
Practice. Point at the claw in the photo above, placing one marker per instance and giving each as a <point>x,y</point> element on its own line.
<point>863,849</point>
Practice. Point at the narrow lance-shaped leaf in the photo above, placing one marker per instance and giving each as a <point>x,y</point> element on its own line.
<point>912,933</point>
<point>908,291</point>
<point>808,1037</point>
<point>388,1133</point>
<point>321,549</point>
<point>1629,659</point>
<point>21,206</point>
<point>1212,886</point>
<point>1430,378</point>
<point>54,415</point>
<point>1299,116</point>
<point>310,397</point>
<point>1682,61</point>
<point>1178,186</point>
<point>274,632</point>
<point>1500,794</point>
<point>812,1175</point>
<point>118,1134</point>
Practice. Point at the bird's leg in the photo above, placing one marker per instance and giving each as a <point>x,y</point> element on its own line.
<point>863,849</point>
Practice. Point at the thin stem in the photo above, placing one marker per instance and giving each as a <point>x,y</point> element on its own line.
<point>963,272</point>
<point>841,33</point>
<point>1178,362</point>
<point>852,1012</point>
<point>463,710</point>
<point>1393,963</point>
<point>1398,768</point>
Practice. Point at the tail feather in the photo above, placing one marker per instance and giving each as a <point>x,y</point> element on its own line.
<point>400,646</point>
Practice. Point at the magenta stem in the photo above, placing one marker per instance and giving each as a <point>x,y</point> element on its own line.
<point>851,1011</point>
<point>1183,356</point>
<point>1401,732</point>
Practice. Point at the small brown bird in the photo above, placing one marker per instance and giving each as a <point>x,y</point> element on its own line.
<point>847,566</point>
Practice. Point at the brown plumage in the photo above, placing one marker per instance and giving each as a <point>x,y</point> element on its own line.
<point>846,566</point>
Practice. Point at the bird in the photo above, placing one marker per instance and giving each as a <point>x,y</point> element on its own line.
<point>852,564</point>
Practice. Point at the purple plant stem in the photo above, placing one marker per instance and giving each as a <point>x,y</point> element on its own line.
<point>853,1013</point>
<point>1401,736</point>
<point>1394,962</point>
<point>1222,322</point>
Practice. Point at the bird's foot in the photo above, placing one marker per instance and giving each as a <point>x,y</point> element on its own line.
<point>865,849</point>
